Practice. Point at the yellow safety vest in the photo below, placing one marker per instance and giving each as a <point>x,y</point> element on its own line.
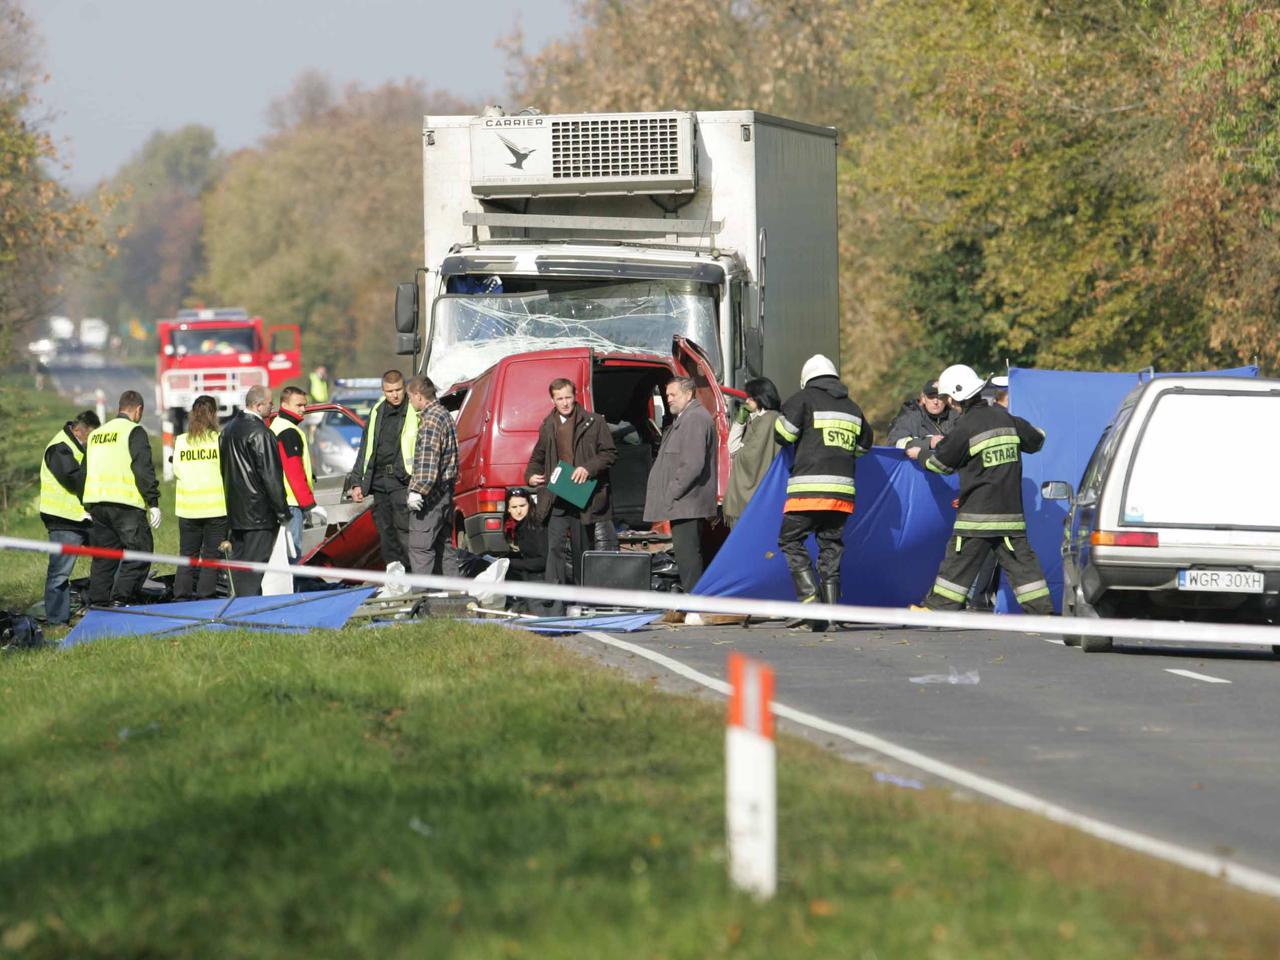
<point>109,471</point>
<point>278,426</point>
<point>408,435</point>
<point>319,390</point>
<point>55,499</point>
<point>197,470</point>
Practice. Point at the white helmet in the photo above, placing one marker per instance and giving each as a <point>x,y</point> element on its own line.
<point>816,366</point>
<point>959,382</point>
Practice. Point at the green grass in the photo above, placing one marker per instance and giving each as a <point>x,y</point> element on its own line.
<point>441,790</point>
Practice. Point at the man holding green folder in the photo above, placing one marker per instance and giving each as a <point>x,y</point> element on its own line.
<point>569,468</point>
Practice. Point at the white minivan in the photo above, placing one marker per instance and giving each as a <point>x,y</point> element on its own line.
<point>1178,512</point>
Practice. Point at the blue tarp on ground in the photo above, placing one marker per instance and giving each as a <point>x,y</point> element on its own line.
<point>294,612</point>
<point>893,543</point>
<point>1072,408</point>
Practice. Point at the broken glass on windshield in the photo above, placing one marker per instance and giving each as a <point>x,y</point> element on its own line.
<point>472,332</point>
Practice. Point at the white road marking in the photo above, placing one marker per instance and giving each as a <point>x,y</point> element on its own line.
<point>1214,866</point>
<point>1192,675</point>
<point>1061,643</point>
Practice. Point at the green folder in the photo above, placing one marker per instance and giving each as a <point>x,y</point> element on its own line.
<point>563,487</point>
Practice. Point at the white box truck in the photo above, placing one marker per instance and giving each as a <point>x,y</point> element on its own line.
<point>618,231</point>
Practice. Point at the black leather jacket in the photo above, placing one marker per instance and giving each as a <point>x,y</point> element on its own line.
<point>252,475</point>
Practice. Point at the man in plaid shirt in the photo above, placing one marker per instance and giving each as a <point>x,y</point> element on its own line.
<point>435,468</point>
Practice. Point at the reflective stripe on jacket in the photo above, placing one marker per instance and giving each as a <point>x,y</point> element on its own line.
<point>109,472</point>
<point>985,447</point>
<point>197,471</point>
<point>829,433</point>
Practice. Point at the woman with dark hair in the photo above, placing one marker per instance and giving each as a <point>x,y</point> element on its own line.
<point>526,545</point>
<point>198,498</point>
<point>751,445</point>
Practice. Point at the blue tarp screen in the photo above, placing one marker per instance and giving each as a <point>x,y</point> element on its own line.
<point>893,543</point>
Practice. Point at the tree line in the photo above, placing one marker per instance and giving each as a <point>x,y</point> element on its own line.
<point>1090,186</point>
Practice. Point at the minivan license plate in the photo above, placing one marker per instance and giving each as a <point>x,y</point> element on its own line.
<point>1221,581</point>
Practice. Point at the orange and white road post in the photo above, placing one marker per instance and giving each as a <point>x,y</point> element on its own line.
<point>751,808</point>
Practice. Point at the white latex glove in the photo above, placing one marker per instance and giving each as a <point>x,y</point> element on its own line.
<point>153,518</point>
<point>415,501</point>
<point>317,517</point>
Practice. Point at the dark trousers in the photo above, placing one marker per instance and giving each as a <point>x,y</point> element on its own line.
<point>118,527</point>
<point>828,527</point>
<point>565,523</point>
<point>391,517</point>
<point>254,546</point>
<point>57,580</point>
<point>605,535</point>
<point>198,538</point>
<point>430,539</point>
<point>964,559</point>
<point>686,544</point>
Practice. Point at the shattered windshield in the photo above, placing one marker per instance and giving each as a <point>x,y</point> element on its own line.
<point>471,333</point>
<point>198,339</point>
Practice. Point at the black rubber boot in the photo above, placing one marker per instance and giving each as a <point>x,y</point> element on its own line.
<point>831,594</point>
<point>806,592</point>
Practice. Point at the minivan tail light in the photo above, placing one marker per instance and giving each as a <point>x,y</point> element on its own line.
<point>493,501</point>
<point>1105,538</point>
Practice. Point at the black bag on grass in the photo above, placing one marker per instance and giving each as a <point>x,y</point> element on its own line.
<point>18,631</point>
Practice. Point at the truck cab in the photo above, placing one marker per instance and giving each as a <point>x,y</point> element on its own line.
<point>221,352</point>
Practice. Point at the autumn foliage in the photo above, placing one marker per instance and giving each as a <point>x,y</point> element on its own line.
<point>1036,182</point>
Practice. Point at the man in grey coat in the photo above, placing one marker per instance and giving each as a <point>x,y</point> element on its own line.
<point>682,483</point>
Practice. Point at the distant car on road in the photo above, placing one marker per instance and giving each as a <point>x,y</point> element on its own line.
<point>337,436</point>
<point>1177,515</point>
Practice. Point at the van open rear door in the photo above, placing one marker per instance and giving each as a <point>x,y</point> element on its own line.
<point>690,361</point>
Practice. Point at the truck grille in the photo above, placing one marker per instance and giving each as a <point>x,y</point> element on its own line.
<point>615,147</point>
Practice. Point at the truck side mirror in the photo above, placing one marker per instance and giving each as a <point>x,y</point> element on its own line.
<point>1055,490</point>
<point>407,307</point>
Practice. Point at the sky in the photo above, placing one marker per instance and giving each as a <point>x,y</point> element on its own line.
<point>120,69</point>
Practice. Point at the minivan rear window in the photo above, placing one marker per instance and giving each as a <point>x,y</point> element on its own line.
<point>1205,460</point>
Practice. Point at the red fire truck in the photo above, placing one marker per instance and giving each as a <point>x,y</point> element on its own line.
<point>221,352</point>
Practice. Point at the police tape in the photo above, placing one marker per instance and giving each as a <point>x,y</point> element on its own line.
<point>1151,630</point>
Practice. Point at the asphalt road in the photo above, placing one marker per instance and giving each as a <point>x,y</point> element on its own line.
<point>78,378</point>
<point>1113,736</point>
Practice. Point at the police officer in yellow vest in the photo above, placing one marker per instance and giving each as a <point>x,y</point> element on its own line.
<point>199,502</point>
<point>61,509</point>
<point>384,465</point>
<point>123,497</point>
<point>318,385</point>
<point>295,458</point>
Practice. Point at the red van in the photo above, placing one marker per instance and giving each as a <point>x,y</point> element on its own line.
<point>499,413</point>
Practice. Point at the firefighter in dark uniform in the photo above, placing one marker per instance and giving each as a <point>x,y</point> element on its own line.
<point>829,433</point>
<point>123,497</point>
<point>985,446</point>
